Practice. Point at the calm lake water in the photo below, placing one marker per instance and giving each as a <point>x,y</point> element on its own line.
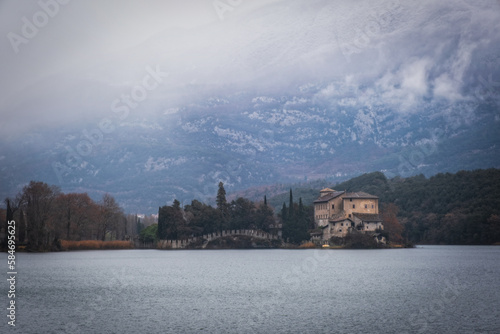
<point>430,289</point>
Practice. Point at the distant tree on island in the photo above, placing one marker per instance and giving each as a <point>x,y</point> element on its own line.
<point>171,222</point>
<point>223,223</point>
<point>264,216</point>
<point>295,221</point>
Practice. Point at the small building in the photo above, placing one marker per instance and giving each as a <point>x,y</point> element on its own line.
<point>337,213</point>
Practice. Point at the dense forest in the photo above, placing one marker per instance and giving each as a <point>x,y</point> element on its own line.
<point>461,208</point>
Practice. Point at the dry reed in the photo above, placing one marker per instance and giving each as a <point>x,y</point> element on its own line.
<point>309,244</point>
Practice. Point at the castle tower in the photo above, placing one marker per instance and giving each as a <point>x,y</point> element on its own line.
<point>326,191</point>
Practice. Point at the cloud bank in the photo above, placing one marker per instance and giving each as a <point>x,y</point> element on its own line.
<point>65,62</point>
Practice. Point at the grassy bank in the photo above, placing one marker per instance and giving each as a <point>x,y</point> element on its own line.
<point>95,245</point>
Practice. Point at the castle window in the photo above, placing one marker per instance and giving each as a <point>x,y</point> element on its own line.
<point>333,206</point>
<point>341,224</point>
<point>340,230</point>
<point>350,199</point>
<point>366,206</point>
<point>354,206</point>
<point>372,206</point>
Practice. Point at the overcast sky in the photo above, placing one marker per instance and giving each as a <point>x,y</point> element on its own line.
<point>66,63</point>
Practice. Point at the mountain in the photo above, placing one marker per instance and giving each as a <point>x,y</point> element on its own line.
<point>286,139</point>
<point>274,93</point>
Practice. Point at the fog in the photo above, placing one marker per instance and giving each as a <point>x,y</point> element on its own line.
<point>68,61</point>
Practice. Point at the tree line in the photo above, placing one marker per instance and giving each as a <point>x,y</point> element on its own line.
<point>461,208</point>
<point>44,216</point>
<point>197,218</point>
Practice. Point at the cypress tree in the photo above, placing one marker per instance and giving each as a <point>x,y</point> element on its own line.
<point>302,223</point>
<point>284,213</point>
<point>291,213</point>
<point>162,223</point>
<point>301,208</point>
<point>223,208</point>
<point>221,197</point>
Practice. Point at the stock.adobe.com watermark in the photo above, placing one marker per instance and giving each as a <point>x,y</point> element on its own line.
<point>371,29</point>
<point>31,26</point>
<point>120,108</point>
<point>223,6</point>
<point>11,272</point>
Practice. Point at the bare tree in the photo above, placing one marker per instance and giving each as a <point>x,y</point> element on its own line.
<point>75,215</point>
<point>37,201</point>
<point>110,218</point>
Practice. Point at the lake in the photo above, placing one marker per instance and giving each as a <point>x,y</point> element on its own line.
<point>429,289</point>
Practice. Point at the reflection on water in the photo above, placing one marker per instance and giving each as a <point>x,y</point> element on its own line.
<point>432,289</point>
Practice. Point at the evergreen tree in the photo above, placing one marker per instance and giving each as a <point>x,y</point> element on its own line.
<point>301,215</point>
<point>291,213</point>
<point>243,214</point>
<point>284,214</point>
<point>295,221</point>
<point>221,197</point>
<point>171,223</point>
<point>162,223</point>
<point>302,224</point>
<point>223,208</point>
<point>264,216</point>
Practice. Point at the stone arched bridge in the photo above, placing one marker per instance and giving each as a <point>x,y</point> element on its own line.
<point>206,238</point>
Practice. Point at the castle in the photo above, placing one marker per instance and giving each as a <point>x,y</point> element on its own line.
<point>339,212</point>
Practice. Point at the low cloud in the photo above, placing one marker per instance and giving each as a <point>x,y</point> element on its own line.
<point>390,53</point>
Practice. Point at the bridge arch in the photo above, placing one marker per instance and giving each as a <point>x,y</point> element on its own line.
<point>206,238</point>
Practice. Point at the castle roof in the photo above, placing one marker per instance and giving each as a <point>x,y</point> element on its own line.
<point>326,190</point>
<point>367,217</point>
<point>328,197</point>
<point>360,194</point>
<point>341,219</point>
